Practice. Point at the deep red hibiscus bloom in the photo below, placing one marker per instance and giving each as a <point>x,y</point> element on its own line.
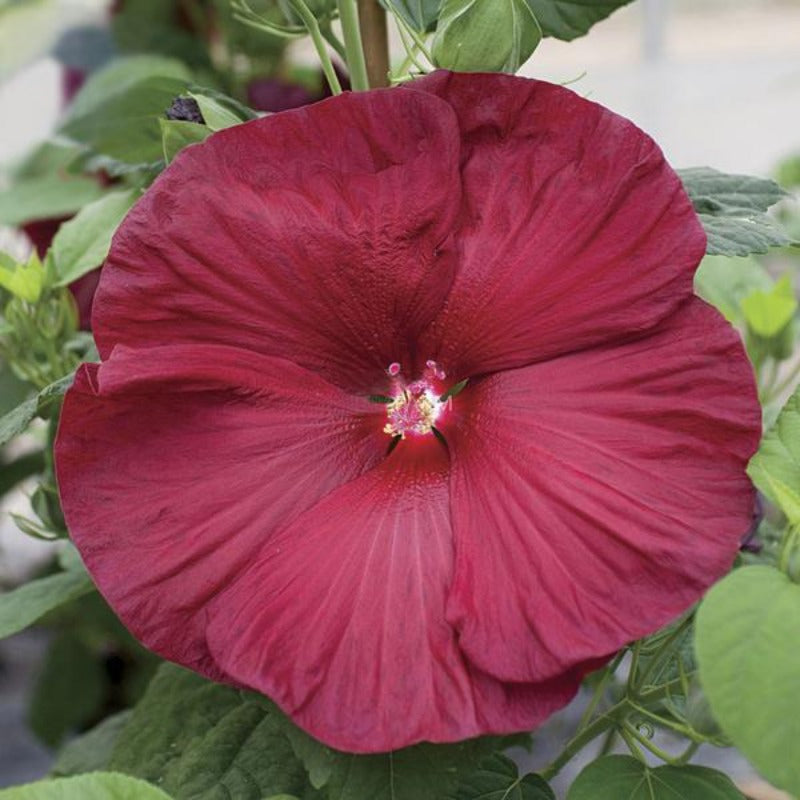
<point>226,476</point>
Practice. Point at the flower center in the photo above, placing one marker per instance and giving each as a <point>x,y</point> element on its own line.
<point>413,408</point>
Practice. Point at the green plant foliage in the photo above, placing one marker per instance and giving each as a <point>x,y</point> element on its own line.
<point>422,772</point>
<point>25,605</point>
<point>421,15</point>
<point>126,127</point>
<point>220,111</point>
<point>201,741</point>
<point>775,468</point>
<point>93,786</point>
<point>725,282</point>
<point>767,313</point>
<point>748,629</point>
<point>569,19</point>
<point>46,196</point>
<point>92,750</point>
<point>116,113</point>
<point>177,134</point>
<point>82,243</point>
<point>68,693</point>
<point>43,186</point>
<point>485,35</point>
<point>733,209</point>
<point>497,778</point>
<point>118,77</point>
<point>618,777</point>
<point>17,420</point>
<point>151,26</point>
<point>24,281</point>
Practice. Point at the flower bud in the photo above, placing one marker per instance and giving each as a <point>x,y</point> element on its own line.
<point>485,35</point>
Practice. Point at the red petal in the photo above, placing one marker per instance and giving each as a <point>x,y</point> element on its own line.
<point>316,235</point>
<point>341,621</point>
<point>596,496</point>
<point>177,464</point>
<point>575,231</point>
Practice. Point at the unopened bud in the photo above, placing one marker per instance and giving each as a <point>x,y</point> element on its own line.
<point>485,35</point>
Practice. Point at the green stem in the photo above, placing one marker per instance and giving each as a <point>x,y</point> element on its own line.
<point>312,26</point>
<point>608,742</point>
<point>599,691</point>
<point>776,391</point>
<point>666,757</point>
<point>354,48</point>
<point>684,730</point>
<point>665,690</point>
<point>580,740</point>
<point>662,654</point>
<point>416,38</point>
<point>632,746</point>
<point>767,386</point>
<point>333,40</point>
<point>686,756</point>
<point>411,56</point>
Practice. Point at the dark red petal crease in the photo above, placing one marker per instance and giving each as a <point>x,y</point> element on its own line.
<point>574,229</point>
<point>597,495</point>
<point>176,464</point>
<point>319,235</point>
<point>340,620</point>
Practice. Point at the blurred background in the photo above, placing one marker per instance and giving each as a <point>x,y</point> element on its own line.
<point>715,82</point>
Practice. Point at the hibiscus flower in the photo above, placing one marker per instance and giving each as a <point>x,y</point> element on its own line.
<point>273,476</point>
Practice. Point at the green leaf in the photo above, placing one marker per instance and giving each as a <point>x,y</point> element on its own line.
<point>497,778</point>
<point>13,390</point>
<point>421,15</point>
<point>220,111</point>
<point>748,630</point>
<point>47,196</point>
<point>69,691</point>
<point>569,19</point>
<point>767,313</point>
<point>732,209</point>
<point>725,282</point>
<point>82,243</point>
<point>16,421</point>
<point>775,468</point>
<point>118,77</point>
<point>422,772</point>
<point>23,606</point>
<point>485,35</point>
<point>91,751</point>
<point>177,134</point>
<point>93,786</point>
<point>24,280</point>
<point>618,777</point>
<point>204,741</point>
<point>124,125</point>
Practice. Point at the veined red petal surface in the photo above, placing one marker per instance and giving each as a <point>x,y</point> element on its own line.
<point>318,235</point>
<point>340,619</point>
<point>177,464</point>
<point>613,470</point>
<point>574,229</point>
<point>233,492</point>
